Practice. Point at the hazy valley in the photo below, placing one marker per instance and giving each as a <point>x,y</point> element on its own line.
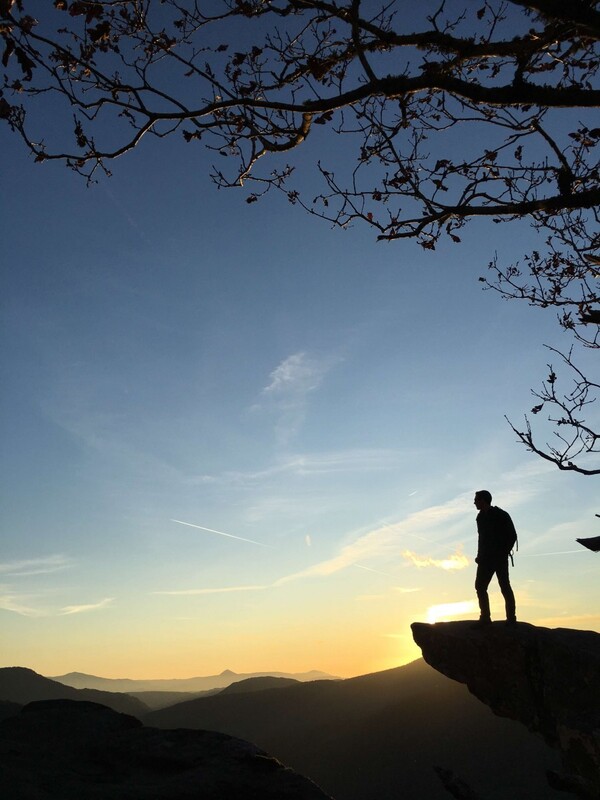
<point>378,735</point>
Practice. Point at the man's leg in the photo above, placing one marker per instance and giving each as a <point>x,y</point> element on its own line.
<point>482,581</point>
<point>507,592</point>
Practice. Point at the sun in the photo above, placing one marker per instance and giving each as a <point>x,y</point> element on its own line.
<point>448,611</point>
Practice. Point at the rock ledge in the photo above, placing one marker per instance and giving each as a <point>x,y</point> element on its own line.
<point>548,679</point>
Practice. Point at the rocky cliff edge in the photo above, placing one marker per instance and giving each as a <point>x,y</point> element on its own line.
<point>548,679</point>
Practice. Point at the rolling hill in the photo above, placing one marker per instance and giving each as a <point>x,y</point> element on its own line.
<point>20,685</point>
<point>157,700</point>
<point>380,735</point>
<point>80,680</point>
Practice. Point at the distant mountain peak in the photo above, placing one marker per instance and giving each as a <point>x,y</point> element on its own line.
<point>81,680</point>
<point>75,675</point>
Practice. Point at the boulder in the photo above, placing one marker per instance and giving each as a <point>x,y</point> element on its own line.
<point>71,750</point>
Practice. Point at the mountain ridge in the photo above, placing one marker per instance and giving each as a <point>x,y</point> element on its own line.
<point>81,680</point>
<point>378,735</point>
<point>21,685</point>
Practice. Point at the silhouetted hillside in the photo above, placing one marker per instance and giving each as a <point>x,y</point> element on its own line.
<point>22,685</point>
<point>258,685</point>
<point>379,736</point>
<point>156,700</point>
<point>8,709</point>
<point>80,680</point>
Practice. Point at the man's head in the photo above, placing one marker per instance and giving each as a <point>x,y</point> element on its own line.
<point>483,500</point>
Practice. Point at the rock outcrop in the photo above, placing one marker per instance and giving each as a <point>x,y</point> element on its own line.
<point>71,750</point>
<point>547,679</point>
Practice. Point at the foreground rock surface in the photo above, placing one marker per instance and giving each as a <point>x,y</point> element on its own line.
<point>547,679</point>
<point>84,751</point>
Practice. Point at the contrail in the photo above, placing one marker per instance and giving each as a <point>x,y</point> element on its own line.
<point>221,533</point>
<point>379,572</point>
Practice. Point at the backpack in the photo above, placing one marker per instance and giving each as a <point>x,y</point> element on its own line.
<point>512,540</point>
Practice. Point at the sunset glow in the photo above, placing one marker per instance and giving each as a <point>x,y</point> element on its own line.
<point>445,612</point>
<point>455,561</point>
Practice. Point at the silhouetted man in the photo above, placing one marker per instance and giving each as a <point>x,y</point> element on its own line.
<point>497,537</point>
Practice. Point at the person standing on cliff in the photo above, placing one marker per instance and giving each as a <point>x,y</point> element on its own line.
<point>496,539</point>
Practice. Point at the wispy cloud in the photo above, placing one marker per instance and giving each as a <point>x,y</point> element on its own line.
<point>563,534</point>
<point>377,571</point>
<point>287,391</point>
<point>457,560</point>
<point>218,590</point>
<point>83,609</point>
<point>388,594</point>
<point>298,374</point>
<point>384,541</point>
<point>221,533</point>
<point>35,566</point>
<point>26,605</point>
<point>20,604</point>
<point>312,465</point>
<point>75,404</point>
<point>412,535</point>
<point>387,541</point>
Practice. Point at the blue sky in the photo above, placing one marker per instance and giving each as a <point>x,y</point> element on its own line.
<point>174,355</point>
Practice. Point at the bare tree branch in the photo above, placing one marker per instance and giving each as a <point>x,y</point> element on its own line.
<point>445,114</point>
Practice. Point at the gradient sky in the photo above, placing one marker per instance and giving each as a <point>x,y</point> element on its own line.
<point>235,438</point>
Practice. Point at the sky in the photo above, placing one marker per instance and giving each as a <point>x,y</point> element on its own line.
<point>236,438</point>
